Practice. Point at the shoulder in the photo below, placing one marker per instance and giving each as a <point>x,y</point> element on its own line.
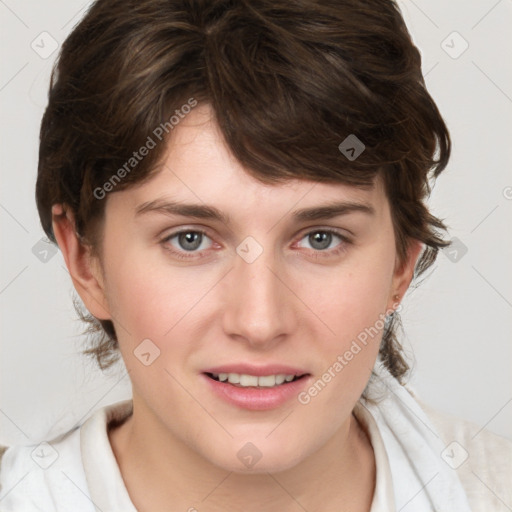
<point>462,463</point>
<point>54,476</point>
<point>46,476</point>
<point>481,459</point>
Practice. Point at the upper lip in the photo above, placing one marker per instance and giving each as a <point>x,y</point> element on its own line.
<point>258,371</point>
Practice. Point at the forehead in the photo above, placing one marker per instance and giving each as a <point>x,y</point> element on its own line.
<point>198,167</point>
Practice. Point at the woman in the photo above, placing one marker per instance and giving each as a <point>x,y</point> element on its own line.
<point>238,190</point>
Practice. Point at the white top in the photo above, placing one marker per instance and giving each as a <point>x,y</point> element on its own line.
<point>424,461</point>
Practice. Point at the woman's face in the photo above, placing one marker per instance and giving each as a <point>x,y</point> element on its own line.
<point>263,281</point>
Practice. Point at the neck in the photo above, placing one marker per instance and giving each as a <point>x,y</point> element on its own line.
<point>159,470</point>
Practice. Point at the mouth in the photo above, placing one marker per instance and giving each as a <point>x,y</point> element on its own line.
<point>243,380</point>
<point>256,388</point>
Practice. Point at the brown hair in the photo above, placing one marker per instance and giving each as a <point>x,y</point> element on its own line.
<point>287,82</point>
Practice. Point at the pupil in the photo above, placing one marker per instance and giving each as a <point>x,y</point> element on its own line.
<point>320,240</point>
<point>190,240</point>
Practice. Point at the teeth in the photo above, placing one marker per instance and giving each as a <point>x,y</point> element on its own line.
<point>248,380</point>
<point>233,378</point>
<point>267,381</point>
<point>280,378</point>
<point>244,380</point>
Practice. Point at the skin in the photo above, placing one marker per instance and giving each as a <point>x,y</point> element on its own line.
<point>288,306</point>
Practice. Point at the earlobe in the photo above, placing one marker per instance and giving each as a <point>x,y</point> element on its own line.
<point>82,267</point>
<point>404,273</point>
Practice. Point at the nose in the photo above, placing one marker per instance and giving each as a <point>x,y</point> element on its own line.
<point>259,306</point>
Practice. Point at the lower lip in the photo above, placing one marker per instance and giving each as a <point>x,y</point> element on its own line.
<point>257,399</point>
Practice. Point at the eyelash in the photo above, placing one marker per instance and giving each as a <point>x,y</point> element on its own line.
<point>315,253</point>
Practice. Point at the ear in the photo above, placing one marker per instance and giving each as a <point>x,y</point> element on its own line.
<point>84,269</point>
<point>403,274</point>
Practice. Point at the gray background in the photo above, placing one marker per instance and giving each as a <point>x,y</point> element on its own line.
<point>458,323</point>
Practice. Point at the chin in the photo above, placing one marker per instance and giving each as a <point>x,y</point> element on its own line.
<point>259,456</point>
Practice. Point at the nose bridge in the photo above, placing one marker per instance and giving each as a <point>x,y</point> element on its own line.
<point>258,307</point>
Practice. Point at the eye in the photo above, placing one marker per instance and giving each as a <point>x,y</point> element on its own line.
<point>322,240</point>
<point>190,241</point>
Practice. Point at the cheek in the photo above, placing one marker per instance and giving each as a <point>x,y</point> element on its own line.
<point>352,303</point>
<point>151,300</point>
<point>156,303</point>
<point>352,298</point>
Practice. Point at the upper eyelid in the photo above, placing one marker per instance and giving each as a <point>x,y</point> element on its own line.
<point>336,231</point>
<point>172,234</point>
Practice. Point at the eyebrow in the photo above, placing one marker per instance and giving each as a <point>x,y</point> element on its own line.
<point>333,209</point>
<point>202,211</point>
<point>199,211</point>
